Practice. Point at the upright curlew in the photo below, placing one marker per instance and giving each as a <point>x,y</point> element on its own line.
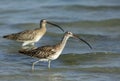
<point>29,37</point>
<point>49,53</point>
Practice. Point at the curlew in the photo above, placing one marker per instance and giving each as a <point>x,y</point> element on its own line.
<point>29,37</point>
<point>49,53</point>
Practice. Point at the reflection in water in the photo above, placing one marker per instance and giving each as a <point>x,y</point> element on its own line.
<point>55,76</point>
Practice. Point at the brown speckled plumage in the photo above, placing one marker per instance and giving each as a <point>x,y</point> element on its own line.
<point>29,37</point>
<point>23,36</point>
<point>48,53</point>
<point>40,52</point>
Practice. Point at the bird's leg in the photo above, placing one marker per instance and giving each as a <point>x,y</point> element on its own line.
<point>25,43</point>
<point>49,61</point>
<point>32,44</point>
<point>28,43</point>
<point>34,64</point>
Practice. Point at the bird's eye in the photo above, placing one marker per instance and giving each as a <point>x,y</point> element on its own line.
<point>69,33</point>
<point>43,20</point>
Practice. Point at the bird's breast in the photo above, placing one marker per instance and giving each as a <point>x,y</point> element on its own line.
<point>56,55</point>
<point>39,36</point>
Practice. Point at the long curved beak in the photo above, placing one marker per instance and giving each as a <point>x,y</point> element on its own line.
<point>75,36</point>
<point>55,25</point>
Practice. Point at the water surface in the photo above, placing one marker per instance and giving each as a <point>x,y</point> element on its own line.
<point>96,21</point>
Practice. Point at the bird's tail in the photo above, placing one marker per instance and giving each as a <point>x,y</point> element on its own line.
<point>28,52</point>
<point>12,36</point>
<point>24,51</point>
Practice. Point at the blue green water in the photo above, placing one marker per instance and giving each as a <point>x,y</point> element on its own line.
<point>97,21</point>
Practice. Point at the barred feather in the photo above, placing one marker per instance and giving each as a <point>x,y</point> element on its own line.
<point>40,52</point>
<point>23,36</point>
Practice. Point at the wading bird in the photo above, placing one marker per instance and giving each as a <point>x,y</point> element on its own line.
<point>49,53</point>
<point>29,37</point>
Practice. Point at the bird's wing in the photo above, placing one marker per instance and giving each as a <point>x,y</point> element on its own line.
<point>26,35</point>
<point>44,51</point>
<point>40,52</point>
<point>22,36</point>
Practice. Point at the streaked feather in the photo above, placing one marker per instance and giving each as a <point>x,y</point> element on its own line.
<point>40,52</point>
<point>22,36</point>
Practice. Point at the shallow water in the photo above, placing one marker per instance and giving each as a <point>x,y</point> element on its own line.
<point>96,21</point>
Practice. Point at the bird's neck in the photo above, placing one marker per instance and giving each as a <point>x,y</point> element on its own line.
<point>63,42</point>
<point>43,27</point>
